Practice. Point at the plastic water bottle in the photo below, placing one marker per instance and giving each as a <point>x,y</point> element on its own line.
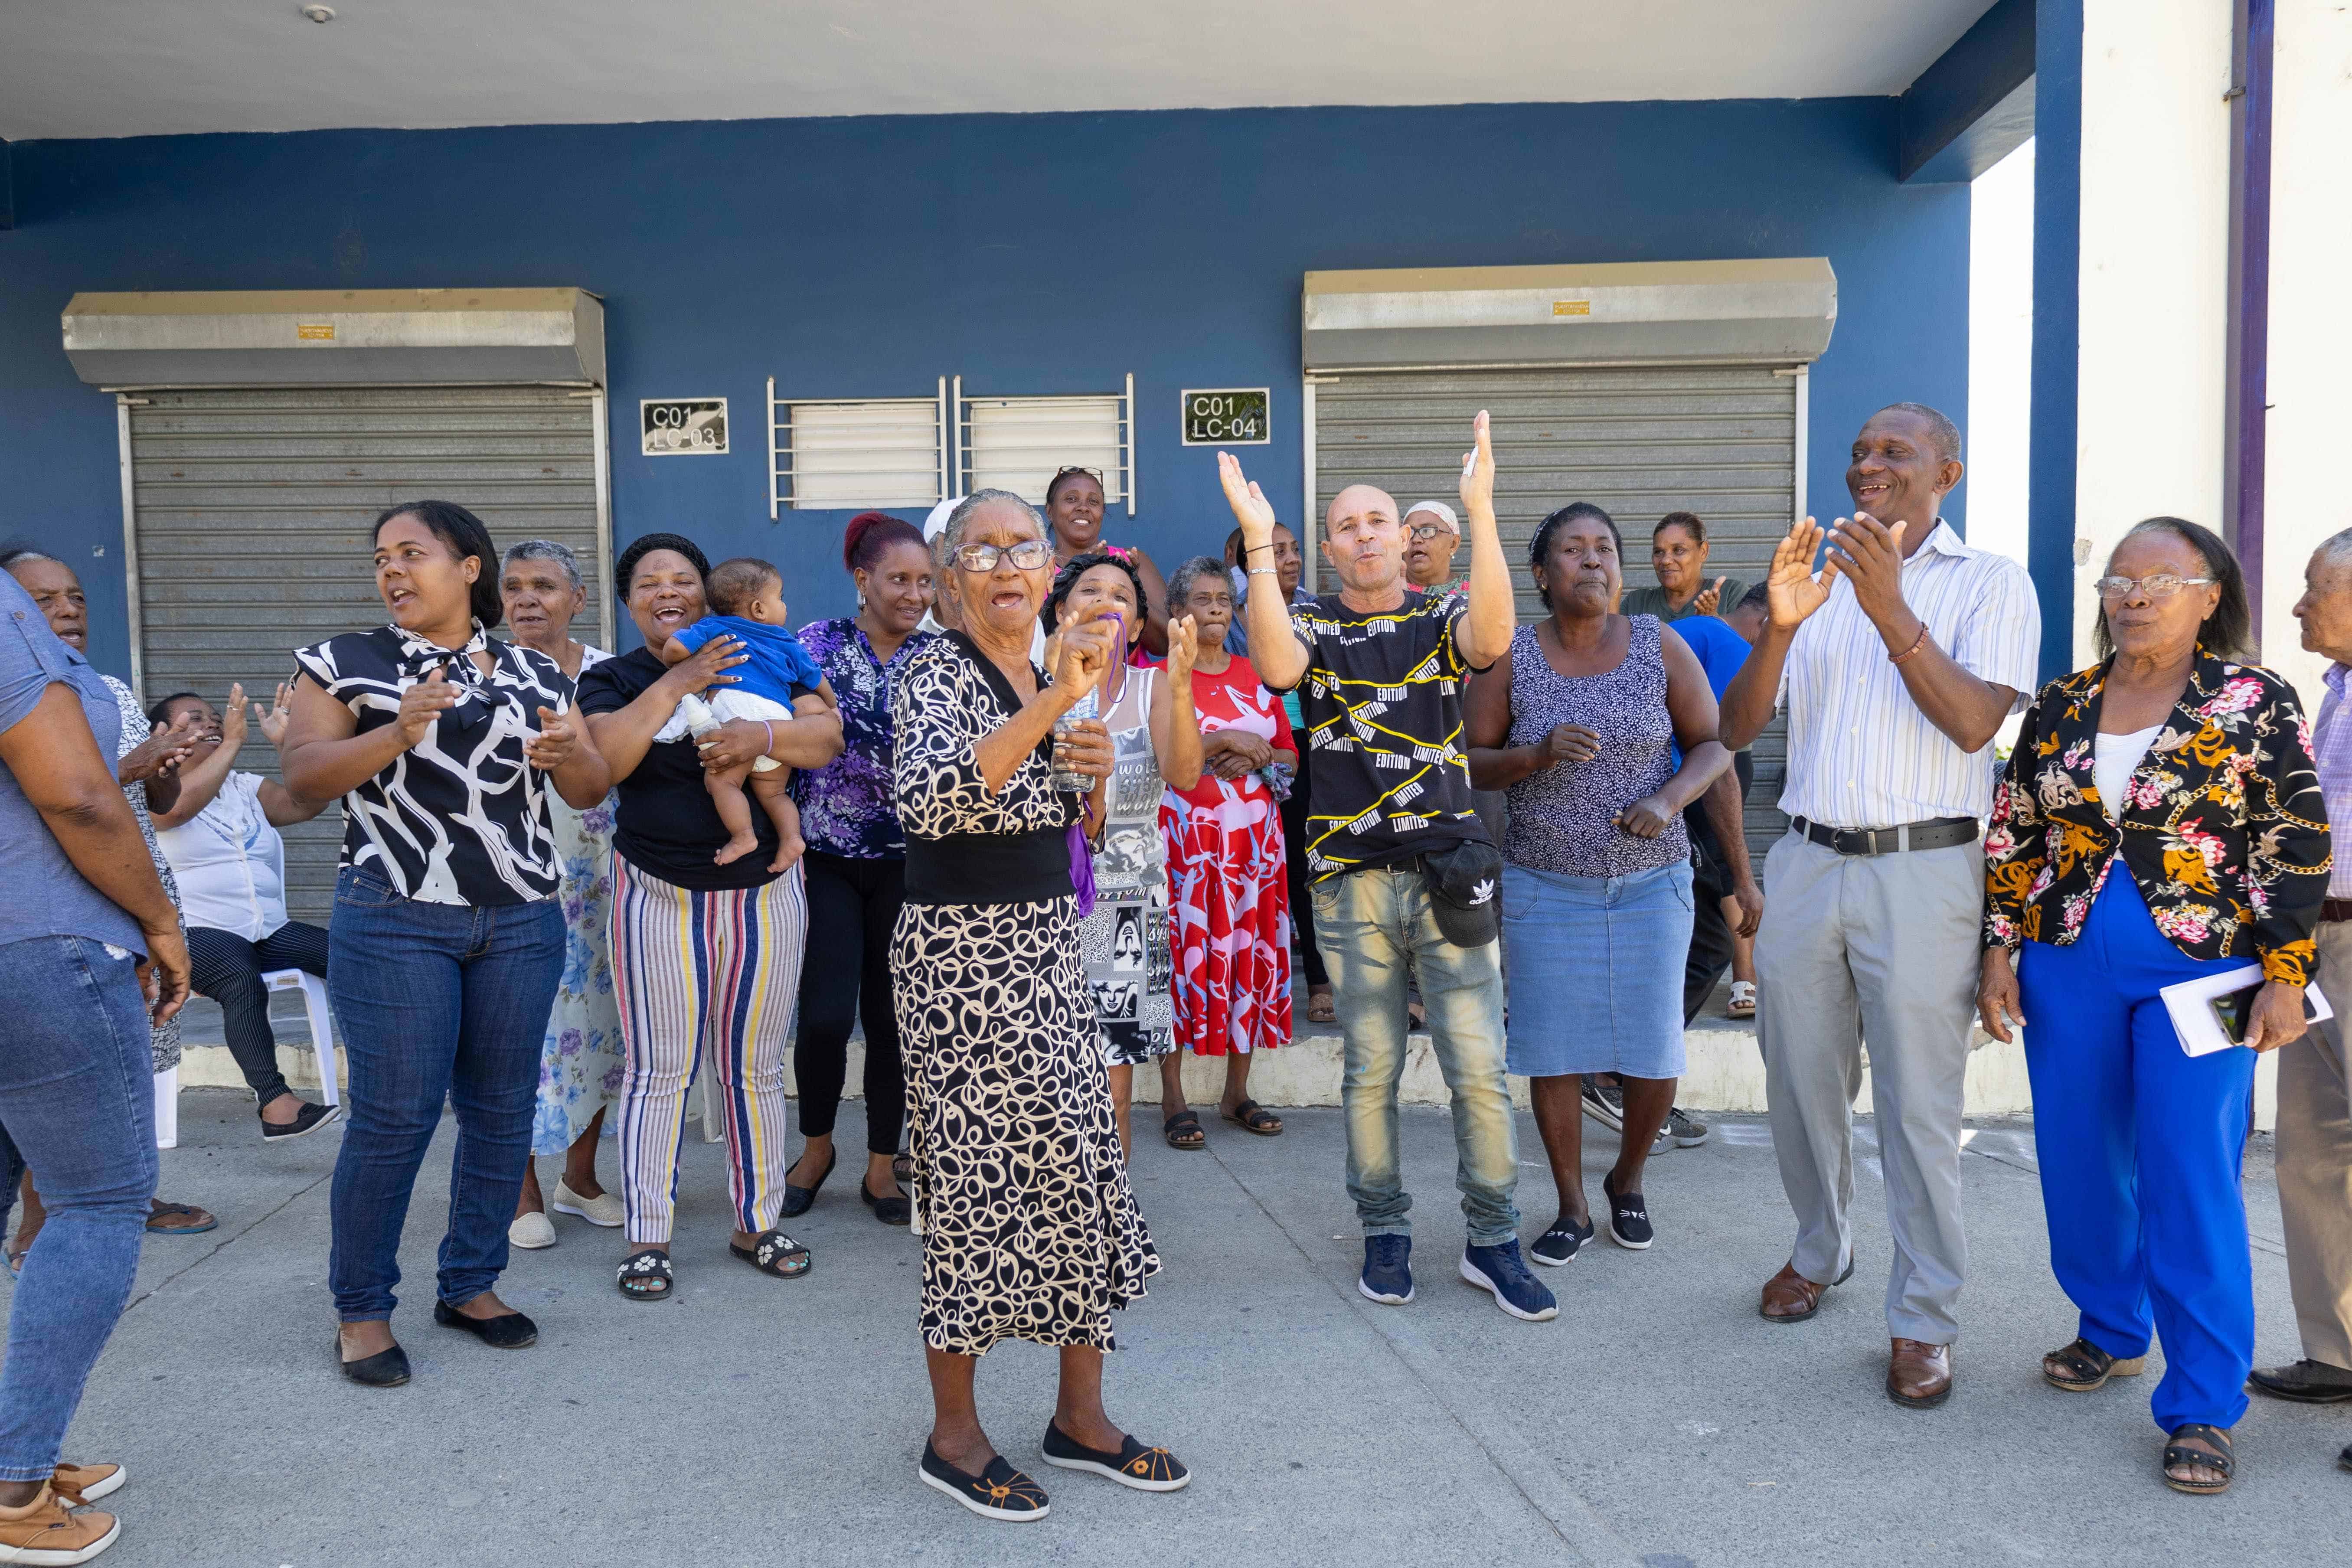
<point>1086,707</point>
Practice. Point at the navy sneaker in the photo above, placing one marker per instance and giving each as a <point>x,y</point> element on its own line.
<point>1501,1271</point>
<point>1388,1269</point>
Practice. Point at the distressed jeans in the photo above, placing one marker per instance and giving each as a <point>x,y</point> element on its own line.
<point>78,1105</point>
<point>1368,923</point>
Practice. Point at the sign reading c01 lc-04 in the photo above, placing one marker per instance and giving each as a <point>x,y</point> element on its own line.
<point>1234,416</point>
<point>684,426</point>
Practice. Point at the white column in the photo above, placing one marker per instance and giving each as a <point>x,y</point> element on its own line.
<point>2154,274</point>
<point>2311,315</point>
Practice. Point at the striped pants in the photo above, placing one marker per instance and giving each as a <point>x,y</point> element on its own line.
<point>698,974</point>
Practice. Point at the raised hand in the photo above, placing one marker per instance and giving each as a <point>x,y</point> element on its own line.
<point>1477,488</point>
<point>1183,646</point>
<point>1084,654</point>
<point>558,739</point>
<point>232,719</point>
<point>1710,600</point>
<point>1869,554</point>
<point>424,703</point>
<point>1792,589</point>
<point>163,750</point>
<point>273,721</point>
<point>1251,509</point>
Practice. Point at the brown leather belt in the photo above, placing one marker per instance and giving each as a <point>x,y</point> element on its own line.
<point>2335,910</point>
<point>1937,833</point>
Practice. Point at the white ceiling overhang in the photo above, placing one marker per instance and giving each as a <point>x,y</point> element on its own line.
<point>138,68</point>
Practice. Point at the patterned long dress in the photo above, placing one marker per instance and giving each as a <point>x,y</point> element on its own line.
<point>1125,942</point>
<point>1228,882</point>
<point>1030,1230</point>
<point>580,1061</point>
<point>164,1038</point>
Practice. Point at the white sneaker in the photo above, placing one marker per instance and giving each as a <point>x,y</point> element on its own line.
<point>604,1209</point>
<point>531,1231</point>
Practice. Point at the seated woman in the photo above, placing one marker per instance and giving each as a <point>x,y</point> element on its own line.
<point>221,837</point>
<point>2160,820</point>
<point>1030,1229</point>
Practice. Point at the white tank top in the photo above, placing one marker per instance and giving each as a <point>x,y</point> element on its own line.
<point>2113,758</point>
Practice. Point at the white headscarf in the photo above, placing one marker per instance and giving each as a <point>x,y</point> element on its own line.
<point>1444,514</point>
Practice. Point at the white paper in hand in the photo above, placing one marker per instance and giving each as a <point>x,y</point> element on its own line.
<point>2190,1003</point>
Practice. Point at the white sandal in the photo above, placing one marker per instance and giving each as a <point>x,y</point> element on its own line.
<point>1743,999</point>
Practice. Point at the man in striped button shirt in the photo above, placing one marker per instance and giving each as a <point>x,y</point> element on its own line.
<point>2314,1103</point>
<point>1898,661</point>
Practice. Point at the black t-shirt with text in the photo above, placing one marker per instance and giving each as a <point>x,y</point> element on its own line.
<point>1387,774</point>
<point>667,826</point>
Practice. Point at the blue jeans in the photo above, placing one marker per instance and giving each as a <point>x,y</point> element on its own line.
<point>2139,1144</point>
<point>438,1002</point>
<point>78,1105</point>
<point>1366,923</point>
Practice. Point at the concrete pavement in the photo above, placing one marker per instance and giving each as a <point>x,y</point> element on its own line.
<point>1658,1420</point>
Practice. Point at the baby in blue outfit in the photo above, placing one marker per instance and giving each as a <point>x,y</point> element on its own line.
<point>748,598</point>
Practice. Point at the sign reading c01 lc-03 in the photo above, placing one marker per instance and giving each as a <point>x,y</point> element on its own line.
<point>1234,416</point>
<point>684,426</point>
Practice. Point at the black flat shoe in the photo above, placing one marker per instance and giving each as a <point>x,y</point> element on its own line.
<point>1145,1469</point>
<point>507,1332</point>
<point>797,1199</point>
<point>999,1491</point>
<point>385,1369</point>
<point>892,1210</point>
<point>310,1119</point>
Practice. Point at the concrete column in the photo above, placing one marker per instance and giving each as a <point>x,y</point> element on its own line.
<point>2153,274</point>
<point>2310,316</point>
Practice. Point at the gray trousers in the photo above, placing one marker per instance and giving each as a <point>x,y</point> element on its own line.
<point>1882,948</point>
<point>2315,1163</point>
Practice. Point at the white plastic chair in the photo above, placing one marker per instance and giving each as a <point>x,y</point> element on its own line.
<point>322,1024</point>
<point>167,1108</point>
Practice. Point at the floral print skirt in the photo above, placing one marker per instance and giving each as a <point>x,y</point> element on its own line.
<point>580,1062</point>
<point>1229,888</point>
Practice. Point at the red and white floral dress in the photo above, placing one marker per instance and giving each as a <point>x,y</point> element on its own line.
<point>1227,883</point>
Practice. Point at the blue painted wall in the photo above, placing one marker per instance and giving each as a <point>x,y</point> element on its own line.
<point>1029,253</point>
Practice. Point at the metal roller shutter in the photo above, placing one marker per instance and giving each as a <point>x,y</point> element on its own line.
<point>1639,441</point>
<point>251,508</point>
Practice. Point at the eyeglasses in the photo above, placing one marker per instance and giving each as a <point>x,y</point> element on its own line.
<point>1028,555</point>
<point>2160,585</point>
<point>1095,474</point>
<point>1426,530</point>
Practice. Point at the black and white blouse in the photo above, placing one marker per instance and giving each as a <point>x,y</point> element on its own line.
<point>462,817</point>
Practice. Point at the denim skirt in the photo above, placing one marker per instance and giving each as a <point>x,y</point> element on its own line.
<point>1595,971</point>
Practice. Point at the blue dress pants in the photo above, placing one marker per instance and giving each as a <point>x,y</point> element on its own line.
<point>2139,1144</point>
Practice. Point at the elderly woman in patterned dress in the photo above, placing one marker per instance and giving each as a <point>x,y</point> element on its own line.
<point>580,1060</point>
<point>1030,1230</point>
<point>148,769</point>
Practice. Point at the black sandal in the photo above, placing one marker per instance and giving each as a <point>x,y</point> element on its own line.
<point>2088,1367</point>
<point>1183,1130</point>
<point>2224,1458</point>
<point>647,1277</point>
<point>798,1199</point>
<point>773,1252</point>
<point>1252,1117</point>
<point>902,1169</point>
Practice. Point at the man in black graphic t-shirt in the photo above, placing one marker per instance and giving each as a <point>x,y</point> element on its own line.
<point>1401,868</point>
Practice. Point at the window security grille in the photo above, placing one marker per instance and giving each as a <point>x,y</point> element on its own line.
<point>837,455</point>
<point>1018,444</point>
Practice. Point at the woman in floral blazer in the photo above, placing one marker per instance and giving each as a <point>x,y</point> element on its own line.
<point>2160,820</point>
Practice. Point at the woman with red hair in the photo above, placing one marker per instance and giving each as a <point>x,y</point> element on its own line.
<point>857,864</point>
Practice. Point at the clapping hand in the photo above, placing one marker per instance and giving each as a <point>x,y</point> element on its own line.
<point>273,719</point>
<point>1183,646</point>
<point>162,751</point>
<point>1710,600</point>
<point>1868,553</point>
<point>1082,652</point>
<point>232,735</point>
<point>558,739</point>
<point>1792,589</point>
<point>1251,509</point>
<point>424,703</point>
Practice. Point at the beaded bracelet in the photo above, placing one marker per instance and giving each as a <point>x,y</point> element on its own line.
<point>1917,644</point>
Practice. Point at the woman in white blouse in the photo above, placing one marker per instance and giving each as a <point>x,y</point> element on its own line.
<point>221,837</point>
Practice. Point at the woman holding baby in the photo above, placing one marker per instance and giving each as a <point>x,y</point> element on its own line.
<point>706,951</point>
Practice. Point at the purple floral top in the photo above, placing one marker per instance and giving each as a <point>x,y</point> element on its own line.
<point>846,806</point>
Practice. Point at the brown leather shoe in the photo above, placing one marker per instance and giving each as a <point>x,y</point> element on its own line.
<point>1920,1375</point>
<point>1790,1298</point>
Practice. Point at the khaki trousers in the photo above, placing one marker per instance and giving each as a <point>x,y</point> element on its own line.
<point>2315,1163</point>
